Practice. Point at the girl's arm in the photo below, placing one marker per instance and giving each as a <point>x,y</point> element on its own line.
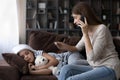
<point>52,61</point>
<point>34,70</point>
<point>41,71</point>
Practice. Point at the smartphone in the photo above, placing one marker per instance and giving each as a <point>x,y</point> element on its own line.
<point>82,19</point>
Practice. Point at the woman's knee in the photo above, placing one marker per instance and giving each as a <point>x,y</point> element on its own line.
<point>64,72</point>
<point>74,57</point>
<point>66,68</point>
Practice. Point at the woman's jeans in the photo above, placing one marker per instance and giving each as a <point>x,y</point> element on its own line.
<point>84,72</point>
<point>68,58</point>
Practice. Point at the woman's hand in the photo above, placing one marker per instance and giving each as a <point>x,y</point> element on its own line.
<point>61,45</point>
<point>83,26</point>
<point>65,47</point>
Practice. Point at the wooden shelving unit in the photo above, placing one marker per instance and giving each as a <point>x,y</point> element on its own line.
<point>55,15</point>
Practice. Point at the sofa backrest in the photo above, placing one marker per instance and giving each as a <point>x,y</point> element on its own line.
<point>41,40</point>
<point>116,41</point>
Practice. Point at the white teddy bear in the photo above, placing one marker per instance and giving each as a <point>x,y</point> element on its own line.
<point>41,60</point>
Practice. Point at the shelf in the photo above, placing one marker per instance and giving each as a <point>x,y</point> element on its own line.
<point>55,15</point>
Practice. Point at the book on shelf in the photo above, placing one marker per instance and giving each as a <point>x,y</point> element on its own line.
<point>38,25</point>
<point>55,25</point>
<point>34,14</point>
<point>60,9</point>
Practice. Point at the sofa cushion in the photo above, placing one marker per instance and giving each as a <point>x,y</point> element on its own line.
<point>16,61</point>
<point>8,72</point>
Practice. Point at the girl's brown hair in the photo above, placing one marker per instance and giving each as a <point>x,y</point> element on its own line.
<point>85,10</point>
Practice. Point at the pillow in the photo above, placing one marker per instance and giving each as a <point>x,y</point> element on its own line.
<point>16,61</point>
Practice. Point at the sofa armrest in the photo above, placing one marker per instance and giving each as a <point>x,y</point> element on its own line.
<point>8,72</point>
<point>39,77</point>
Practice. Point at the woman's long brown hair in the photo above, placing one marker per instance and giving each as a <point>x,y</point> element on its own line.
<point>85,10</point>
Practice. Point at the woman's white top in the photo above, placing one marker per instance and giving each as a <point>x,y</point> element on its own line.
<point>103,52</point>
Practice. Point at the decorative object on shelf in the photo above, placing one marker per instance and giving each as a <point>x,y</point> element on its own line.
<point>41,8</point>
<point>51,25</point>
<point>50,16</point>
<point>71,26</point>
<point>65,11</point>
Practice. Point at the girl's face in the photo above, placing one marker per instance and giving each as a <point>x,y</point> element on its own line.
<point>27,55</point>
<point>76,18</point>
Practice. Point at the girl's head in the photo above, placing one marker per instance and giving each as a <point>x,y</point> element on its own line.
<point>25,51</point>
<point>83,9</point>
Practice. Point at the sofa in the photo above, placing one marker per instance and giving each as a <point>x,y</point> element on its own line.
<point>13,67</point>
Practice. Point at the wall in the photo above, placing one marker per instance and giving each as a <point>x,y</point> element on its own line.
<point>12,23</point>
<point>9,33</point>
<point>21,6</point>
